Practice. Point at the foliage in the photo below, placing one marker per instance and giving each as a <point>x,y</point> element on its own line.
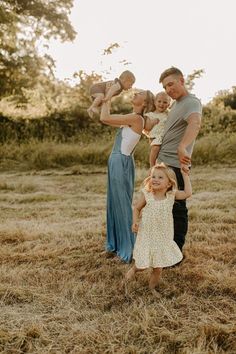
<point>218,119</point>
<point>82,88</point>
<point>23,23</point>
<point>215,148</point>
<point>93,149</point>
<point>196,74</point>
<point>226,98</point>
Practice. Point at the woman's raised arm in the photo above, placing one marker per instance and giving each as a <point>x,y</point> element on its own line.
<point>117,119</point>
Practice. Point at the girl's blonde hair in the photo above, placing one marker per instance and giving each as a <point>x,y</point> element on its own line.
<point>168,172</point>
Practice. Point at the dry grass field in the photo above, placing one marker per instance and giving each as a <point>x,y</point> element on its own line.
<point>60,294</point>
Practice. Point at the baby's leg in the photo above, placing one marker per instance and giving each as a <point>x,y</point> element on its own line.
<point>153,154</point>
<point>155,278</point>
<point>98,97</point>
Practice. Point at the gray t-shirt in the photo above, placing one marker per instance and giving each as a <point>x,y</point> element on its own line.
<point>175,128</point>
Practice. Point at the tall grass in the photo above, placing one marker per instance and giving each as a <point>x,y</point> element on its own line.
<point>95,149</point>
<point>215,148</point>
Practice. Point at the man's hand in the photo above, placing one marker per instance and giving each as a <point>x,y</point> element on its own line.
<point>184,157</point>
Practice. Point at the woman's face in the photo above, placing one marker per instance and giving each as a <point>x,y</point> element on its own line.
<point>139,97</point>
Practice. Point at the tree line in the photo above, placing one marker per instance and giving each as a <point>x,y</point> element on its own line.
<point>34,104</point>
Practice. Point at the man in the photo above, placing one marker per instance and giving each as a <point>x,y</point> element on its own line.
<point>181,130</point>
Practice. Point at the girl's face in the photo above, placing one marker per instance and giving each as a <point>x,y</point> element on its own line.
<point>162,102</point>
<point>159,180</point>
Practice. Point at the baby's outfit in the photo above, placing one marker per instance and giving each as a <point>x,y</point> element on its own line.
<point>156,133</point>
<point>102,87</point>
<point>155,245</point>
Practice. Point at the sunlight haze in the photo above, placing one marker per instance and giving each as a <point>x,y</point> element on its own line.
<point>153,35</point>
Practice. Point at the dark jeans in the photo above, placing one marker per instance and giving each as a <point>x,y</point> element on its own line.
<point>180,213</point>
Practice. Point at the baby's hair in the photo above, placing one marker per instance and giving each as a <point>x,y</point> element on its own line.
<point>127,74</point>
<point>168,172</point>
<point>170,71</point>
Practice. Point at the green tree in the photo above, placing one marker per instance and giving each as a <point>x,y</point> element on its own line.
<point>22,25</point>
<point>226,98</point>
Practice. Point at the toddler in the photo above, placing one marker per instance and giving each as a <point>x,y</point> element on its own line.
<point>155,246</point>
<point>155,135</point>
<point>104,91</point>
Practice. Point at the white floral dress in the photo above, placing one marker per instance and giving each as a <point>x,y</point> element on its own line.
<point>155,245</point>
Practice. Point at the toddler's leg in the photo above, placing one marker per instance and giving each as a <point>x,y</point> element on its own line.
<point>98,97</point>
<point>153,154</point>
<point>131,273</point>
<point>129,276</point>
<point>155,278</point>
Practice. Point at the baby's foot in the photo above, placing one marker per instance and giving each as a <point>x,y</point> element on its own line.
<point>95,110</point>
<point>90,112</point>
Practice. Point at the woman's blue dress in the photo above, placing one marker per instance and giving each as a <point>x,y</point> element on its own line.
<point>121,172</point>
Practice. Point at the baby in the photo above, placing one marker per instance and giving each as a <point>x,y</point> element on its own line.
<point>104,91</point>
<point>162,102</point>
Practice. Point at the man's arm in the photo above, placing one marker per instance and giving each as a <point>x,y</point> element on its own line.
<point>191,132</point>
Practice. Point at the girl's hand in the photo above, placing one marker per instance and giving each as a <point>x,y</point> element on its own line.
<point>185,171</point>
<point>135,227</point>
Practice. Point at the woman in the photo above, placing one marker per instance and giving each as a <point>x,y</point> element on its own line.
<point>120,238</point>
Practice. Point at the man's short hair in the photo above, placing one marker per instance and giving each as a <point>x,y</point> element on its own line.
<point>170,71</point>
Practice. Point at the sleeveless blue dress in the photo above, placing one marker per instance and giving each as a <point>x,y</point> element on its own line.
<point>121,173</point>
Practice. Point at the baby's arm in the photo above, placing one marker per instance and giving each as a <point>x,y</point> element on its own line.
<point>187,192</point>
<point>112,91</point>
<point>138,206</point>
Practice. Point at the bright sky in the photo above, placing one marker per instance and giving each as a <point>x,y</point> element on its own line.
<point>153,35</point>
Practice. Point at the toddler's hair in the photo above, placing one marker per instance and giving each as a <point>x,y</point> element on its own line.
<point>164,94</point>
<point>168,172</point>
<point>127,74</point>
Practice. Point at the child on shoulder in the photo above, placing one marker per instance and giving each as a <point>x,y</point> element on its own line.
<point>155,246</point>
<point>155,133</point>
<point>104,91</point>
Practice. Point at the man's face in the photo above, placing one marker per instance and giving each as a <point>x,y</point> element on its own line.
<point>174,86</point>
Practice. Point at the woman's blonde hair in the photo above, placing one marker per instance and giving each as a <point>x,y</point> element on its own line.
<point>168,172</point>
<point>150,106</point>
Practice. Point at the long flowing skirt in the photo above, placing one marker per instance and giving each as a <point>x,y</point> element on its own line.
<point>120,238</point>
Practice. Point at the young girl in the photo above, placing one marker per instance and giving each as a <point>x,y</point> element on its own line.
<point>155,247</point>
<point>162,102</point>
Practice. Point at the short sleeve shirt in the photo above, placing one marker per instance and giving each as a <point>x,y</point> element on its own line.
<point>175,127</point>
